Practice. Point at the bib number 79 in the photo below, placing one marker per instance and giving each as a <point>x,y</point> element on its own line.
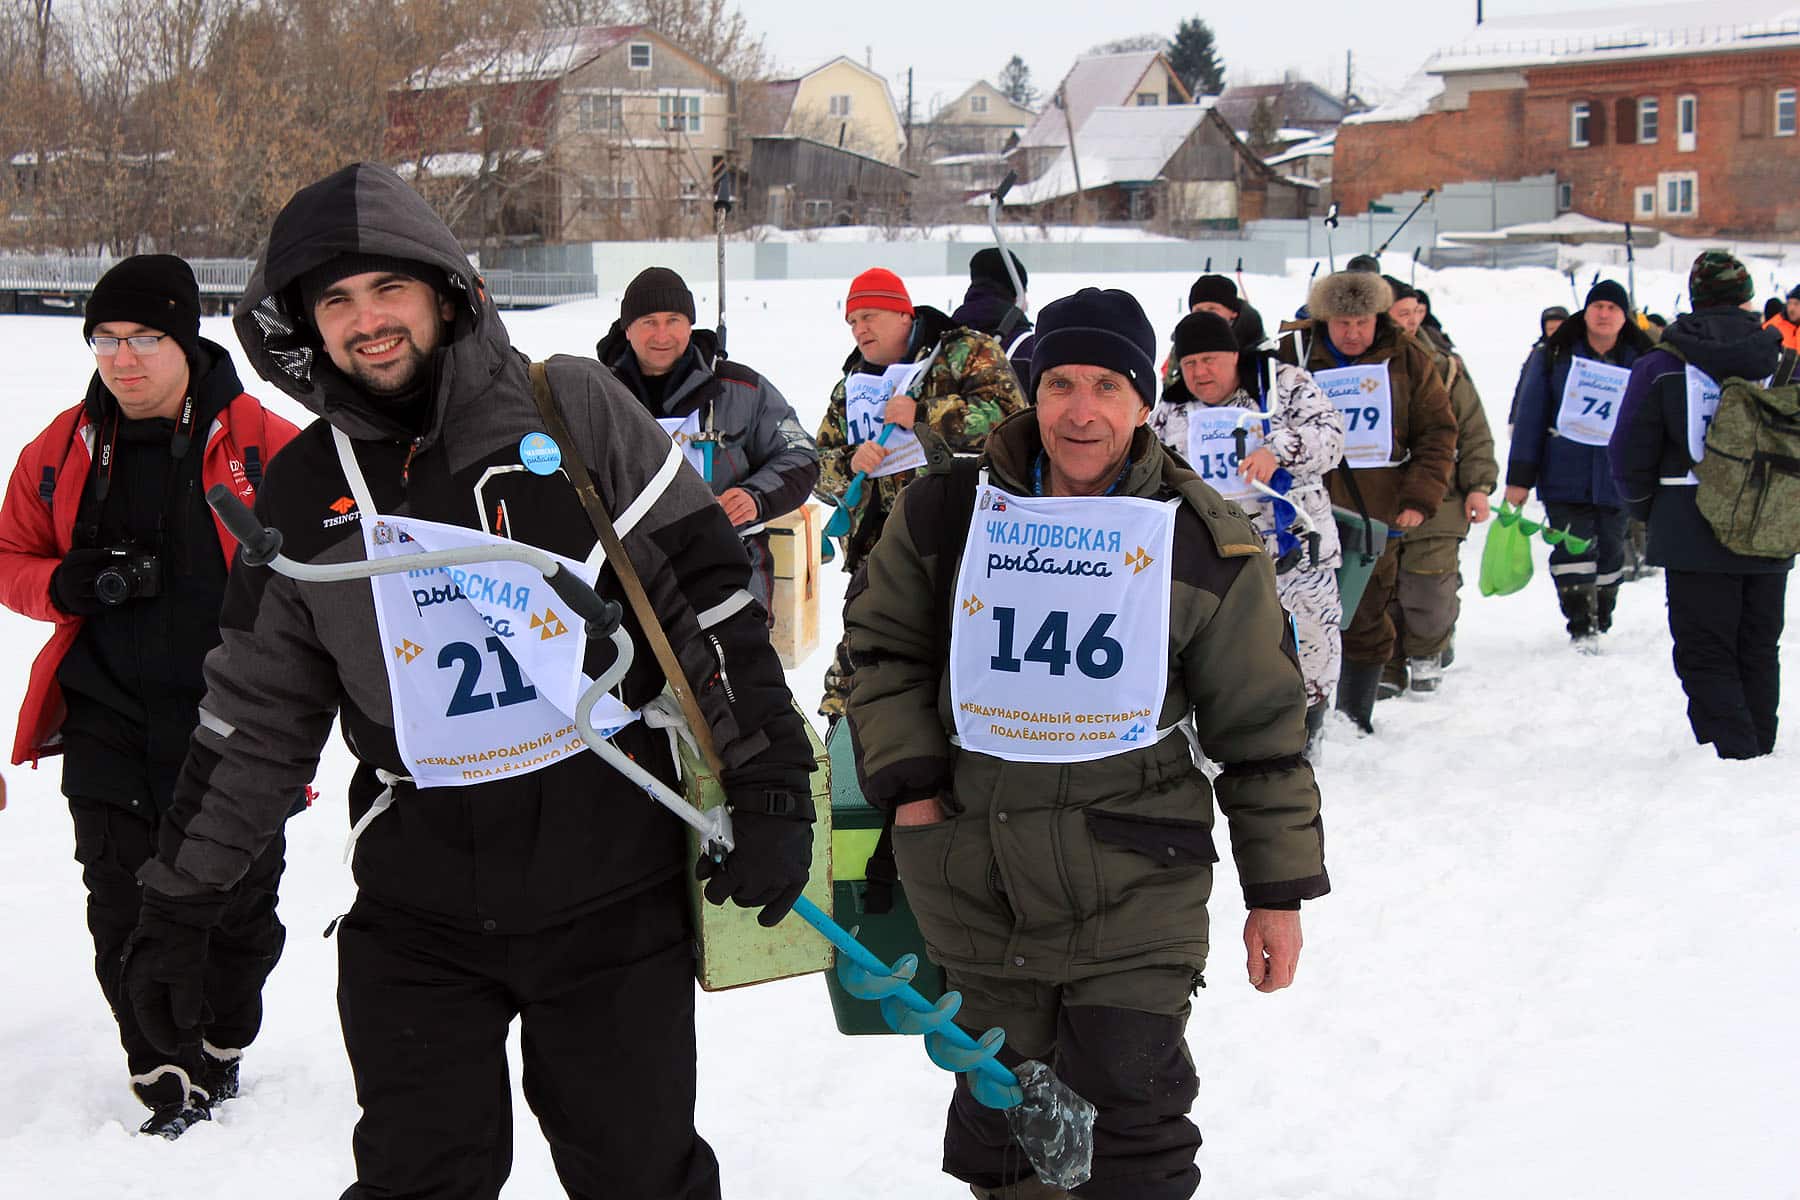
<point>1097,656</point>
<point>465,699</point>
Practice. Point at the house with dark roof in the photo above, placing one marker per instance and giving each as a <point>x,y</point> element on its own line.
<point>1294,104</point>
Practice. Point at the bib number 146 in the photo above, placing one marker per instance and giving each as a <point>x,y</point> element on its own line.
<point>1096,655</point>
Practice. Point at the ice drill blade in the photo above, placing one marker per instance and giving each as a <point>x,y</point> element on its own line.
<point>1054,1126</point>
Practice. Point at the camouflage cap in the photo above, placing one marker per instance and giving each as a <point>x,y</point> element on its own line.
<point>1717,280</point>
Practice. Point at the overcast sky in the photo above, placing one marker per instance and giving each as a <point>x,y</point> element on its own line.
<point>951,45</point>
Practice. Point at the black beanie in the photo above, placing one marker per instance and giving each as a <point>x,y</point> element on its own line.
<point>156,291</point>
<point>1795,294</point>
<point>1215,289</point>
<point>1366,263</point>
<point>313,283</point>
<point>1097,328</point>
<point>988,265</point>
<point>1402,291</point>
<point>1204,333</point>
<point>1611,291</point>
<point>656,290</point>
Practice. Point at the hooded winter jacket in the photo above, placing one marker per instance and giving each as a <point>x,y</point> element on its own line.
<point>968,390</point>
<point>1054,871</point>
<point>1649,454</point>
<point>520,852</point>
<point>1424,443</point>
<point>1560,469</point>
<point>235,439</point>
<point>759,444</point>
<point>983,309</point>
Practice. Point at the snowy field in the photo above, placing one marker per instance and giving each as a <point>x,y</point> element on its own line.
<point>1562,959</point>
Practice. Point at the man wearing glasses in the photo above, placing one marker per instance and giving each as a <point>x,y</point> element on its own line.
<point>105,533</point>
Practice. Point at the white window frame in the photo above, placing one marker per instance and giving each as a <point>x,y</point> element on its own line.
<point>1649,120</point>
<point>477,118</point>
<point>1687,123</point>
<point>978,104</point>
<point>1643,202</point>
<point>1581,118</point>
<point>1678,194</point>
<point>599,112</point>
<point>839,105</point>
<point>815,212</point>
<point>1786,96</point>
<point>632,56</point>
<point>1148,100</point>
<point>677,112</point>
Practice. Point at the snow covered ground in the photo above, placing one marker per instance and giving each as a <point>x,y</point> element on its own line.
<point>1562,958</point>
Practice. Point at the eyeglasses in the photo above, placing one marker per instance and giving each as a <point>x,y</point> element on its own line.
<point>142,344</point>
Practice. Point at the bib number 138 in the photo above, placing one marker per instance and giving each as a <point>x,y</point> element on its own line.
<point>1096,655</point>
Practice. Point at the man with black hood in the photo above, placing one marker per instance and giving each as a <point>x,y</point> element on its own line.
<point>501,871</point>
<point>731,423</point>
<point>104,533</point>
<point>991,300</point>
<point>1726,610</point>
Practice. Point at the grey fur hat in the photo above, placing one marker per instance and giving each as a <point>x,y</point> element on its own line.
<point>1349,294</point>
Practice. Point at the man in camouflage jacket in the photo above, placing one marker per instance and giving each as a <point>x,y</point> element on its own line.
<point>967,388</point>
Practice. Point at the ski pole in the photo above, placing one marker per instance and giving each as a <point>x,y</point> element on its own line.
<point>1412,276</point>
<point>1242,290</point>
<point>997,197</point>
<point>1630,268</point>
<point>1429,193</point>
<point>1331,224</point>
<point>722,209</point>
<point>1056,1128</point>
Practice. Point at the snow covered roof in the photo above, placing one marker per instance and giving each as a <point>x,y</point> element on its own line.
<point>1122,144</point>
<point>532,54</point>
<point>459,165</point>
<point>1094,80</point>
<point>1651,31</point>
<point>1324,144</point>
<point>1569,228</point>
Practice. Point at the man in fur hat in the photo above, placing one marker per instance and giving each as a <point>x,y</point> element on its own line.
<point>1399,448</point>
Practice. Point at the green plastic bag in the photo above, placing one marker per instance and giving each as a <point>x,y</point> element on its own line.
<point>1506,556</point>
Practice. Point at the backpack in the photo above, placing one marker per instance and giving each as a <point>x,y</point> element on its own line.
<point>1750,474</point>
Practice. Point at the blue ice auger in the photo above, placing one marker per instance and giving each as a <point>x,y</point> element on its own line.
<point>839,524</point>
<point>1052,1124</point>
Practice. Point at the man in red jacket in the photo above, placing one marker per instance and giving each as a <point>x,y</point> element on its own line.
<point>105,533</point>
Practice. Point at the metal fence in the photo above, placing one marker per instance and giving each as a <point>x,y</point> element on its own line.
<point>228,277</point>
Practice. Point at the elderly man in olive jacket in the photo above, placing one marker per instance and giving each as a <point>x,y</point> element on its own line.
<point>1037,637</point>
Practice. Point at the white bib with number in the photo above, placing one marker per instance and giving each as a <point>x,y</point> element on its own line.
<point>1590,401</point>
<point>865,412</point>
<point>1212,448</point>
<point>686,433</point>
<point>1059,638</point>
<point>1365,395</point>
<point>483,661</point>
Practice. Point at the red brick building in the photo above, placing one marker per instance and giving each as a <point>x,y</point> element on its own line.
<point>1668,116</point>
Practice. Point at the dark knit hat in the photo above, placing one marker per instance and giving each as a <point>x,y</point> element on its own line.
<point>1366,263</point>
<point>1773,306</point>
<point>1215,289</point>
<point>1097,328</point>
<point>656,290</point>
<point>878,287</point>
<point>1717,280</point>
<point>1611,291</point>
<point>313,283</point>
<point>1204,333</point>
<point>156,291</point>
<point>1402,291</point>
<point>988,265</point>
<point>1795,293</point>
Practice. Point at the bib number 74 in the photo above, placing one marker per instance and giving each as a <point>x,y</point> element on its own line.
<point>1096,655</point>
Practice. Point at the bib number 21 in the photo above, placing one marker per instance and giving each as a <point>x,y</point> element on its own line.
<point>466,699</point>
<point>1097,656</point>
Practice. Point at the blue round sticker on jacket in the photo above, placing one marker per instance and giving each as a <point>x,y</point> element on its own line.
<point>540,454</point>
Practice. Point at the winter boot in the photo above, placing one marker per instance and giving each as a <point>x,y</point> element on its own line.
<point>1577,600</point>
<point>1393,680</point>
<point>1423,674</point>
<point>219,1073</point>
<point>175,1105</point>
<point>1449,654</point>
<point>1315,731</point>
<point>1025,1189</point>
<point>1606,599</point>
<point>1357,685</point>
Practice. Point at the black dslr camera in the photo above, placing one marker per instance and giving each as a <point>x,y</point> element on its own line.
<point>130,574</point>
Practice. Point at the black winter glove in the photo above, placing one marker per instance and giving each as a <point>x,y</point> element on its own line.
<point>163,969</point>
<point>772,858</point>
<point>72,583</point>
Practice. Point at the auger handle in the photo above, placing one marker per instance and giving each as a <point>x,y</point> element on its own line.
<point>260,543</point>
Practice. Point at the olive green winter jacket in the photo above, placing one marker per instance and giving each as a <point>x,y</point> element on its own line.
<point>1053,871</point>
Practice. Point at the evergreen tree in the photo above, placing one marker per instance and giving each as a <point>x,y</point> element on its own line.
<point>1015,82</point>
<point>1195,58</point>
<point>1264,127</point>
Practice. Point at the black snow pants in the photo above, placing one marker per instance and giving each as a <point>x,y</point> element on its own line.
<point>111,843</point>
<point>1727,631</point>
<point>1132,1064</point>
<point>606,1007</point>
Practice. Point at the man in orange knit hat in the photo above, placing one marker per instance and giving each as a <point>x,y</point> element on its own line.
<point>941,385</point>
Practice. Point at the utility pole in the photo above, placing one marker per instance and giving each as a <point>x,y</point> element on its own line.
<point>1062,102</point>
<point>1349,73</point>
<point>909,116</point>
